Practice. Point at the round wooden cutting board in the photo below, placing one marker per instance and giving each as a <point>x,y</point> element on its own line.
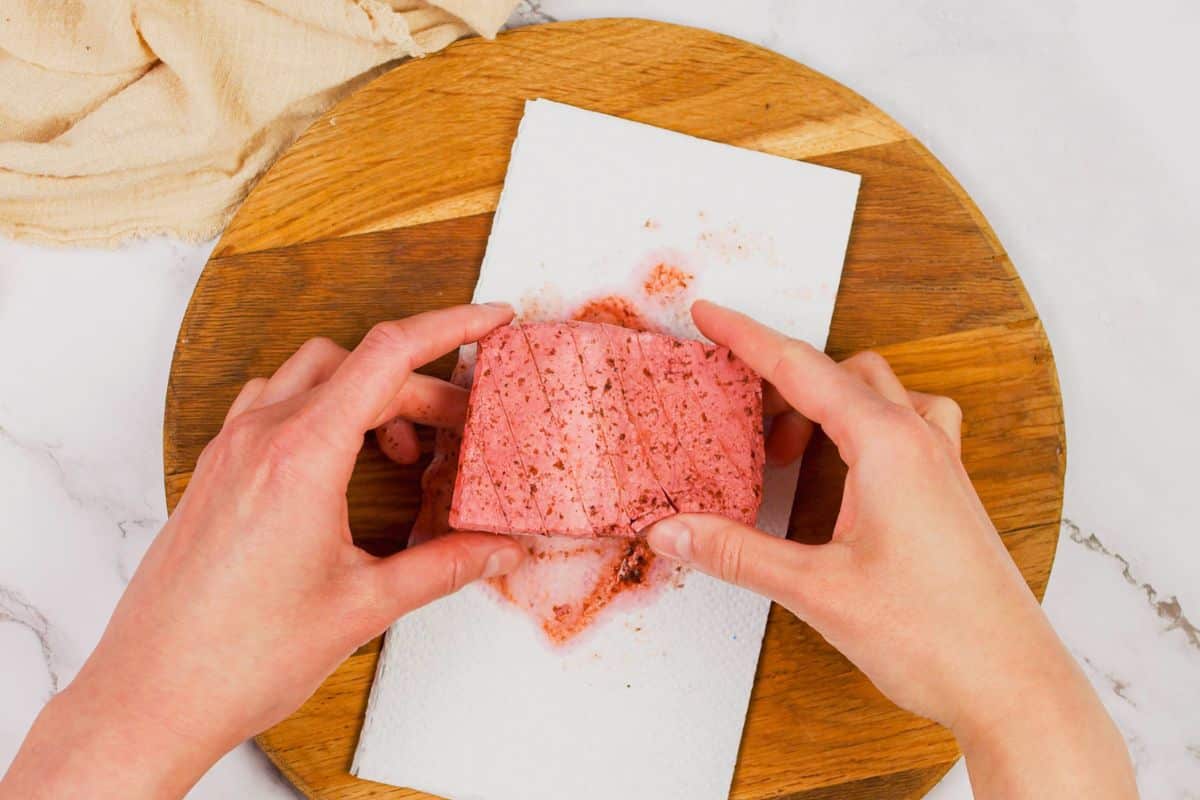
<point>382,209</point>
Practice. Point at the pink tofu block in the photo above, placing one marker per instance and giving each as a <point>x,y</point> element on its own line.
<point>543,452</point>
<point>506,472</point>
<point>641,496</point>
<point>655,429</point>
<point>743,393</point>
<point>716,482</point>
<point>580,429</point>
<point>581,438</point>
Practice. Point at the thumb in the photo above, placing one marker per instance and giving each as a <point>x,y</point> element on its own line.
<point>785,571</point>
<point>419,575</point>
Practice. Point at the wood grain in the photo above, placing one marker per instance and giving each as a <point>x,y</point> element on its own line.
<point>382,209</point>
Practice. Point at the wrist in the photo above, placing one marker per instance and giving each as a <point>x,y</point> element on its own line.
<point>1013,707</point>
<point>1037,682</point>
<point>1016,665</point>
<point>85,742</point>
<point>1049,736</point>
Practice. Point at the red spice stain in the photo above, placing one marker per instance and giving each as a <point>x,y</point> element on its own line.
<point>566,584</point>
<point>614,310</point>
<point>665,279</point>
<point>540,305</point>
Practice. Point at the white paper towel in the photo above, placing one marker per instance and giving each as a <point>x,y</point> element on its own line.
<point>470,699</point>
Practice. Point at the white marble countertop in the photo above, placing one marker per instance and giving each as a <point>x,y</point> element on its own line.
<point>1065,121</point>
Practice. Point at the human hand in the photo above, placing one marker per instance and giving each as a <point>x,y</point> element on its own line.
<point>915,587</point>
<point>254,592</point>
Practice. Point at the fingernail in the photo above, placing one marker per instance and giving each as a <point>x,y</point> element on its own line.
<point>501,561</point>
<point>671,538</point>
<point>500,304</point>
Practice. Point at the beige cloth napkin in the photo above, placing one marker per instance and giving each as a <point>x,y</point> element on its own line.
<point>133,117</point>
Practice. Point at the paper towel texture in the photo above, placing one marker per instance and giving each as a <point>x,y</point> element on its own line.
<point>470,699</point>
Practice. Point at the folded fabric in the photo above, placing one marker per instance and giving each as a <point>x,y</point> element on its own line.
<point>134,117</point>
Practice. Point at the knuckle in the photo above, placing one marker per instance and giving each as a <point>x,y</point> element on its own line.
<point>875,363</point>
<point>387,336</point>
<point>455,569</point>
<point>309,427</point>
<point>915,431</point>
<point>870,365</point>
<point>904,425</point>
<point>253,386</point>
<point>212,453</point>
<point>947,407</point>
<point>794,348</point>
<point>391,341</point>
<point>282,449</point>
<point>238,436</point>
<point>791,352</point>
<point>318,345</point>
<point>729,557</point>
<point>290,434</point>
<point>234,445</point>
<point>869,360</point>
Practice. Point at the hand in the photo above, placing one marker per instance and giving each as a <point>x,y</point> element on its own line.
<point>254,592</point>
<point>915,587</point>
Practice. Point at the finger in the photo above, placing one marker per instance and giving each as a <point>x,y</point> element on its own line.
<point>442,566</point>
<point>807,378</point>
<point>398,441</point>
<point>874,370</point>
<point>428,401</point>
<point>782,570</point>
<point>942,413</point>
<point>246,397</point>
<point>423,399</point>
<point>312,364</point>
<point>790,435</point>
<point>355,399</point>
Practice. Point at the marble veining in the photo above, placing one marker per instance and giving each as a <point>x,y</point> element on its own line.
<point>136,536</point>
<point>1168,610</point>
<point>529,12</point>
<point>15,609</point>
<point>1114,683</point>
<point>1011,98</point>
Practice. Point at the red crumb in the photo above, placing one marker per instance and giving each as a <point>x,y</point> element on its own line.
<point>665,279</point>
<point>614,310</point>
